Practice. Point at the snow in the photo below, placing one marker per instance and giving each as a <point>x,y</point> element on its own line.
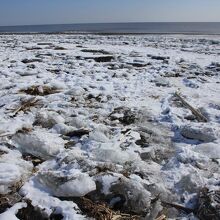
<point>135,139</point>
<point>10,213</point>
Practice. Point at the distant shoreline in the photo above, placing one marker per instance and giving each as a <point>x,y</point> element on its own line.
<point>142,28</point>
<point>108,33</point>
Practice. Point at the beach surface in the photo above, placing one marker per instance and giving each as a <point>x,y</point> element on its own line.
<point>109,127</point>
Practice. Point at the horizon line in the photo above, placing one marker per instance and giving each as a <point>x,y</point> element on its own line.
<point>131,22</point>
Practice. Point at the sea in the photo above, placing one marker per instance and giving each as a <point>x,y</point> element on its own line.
<point>120,28</point>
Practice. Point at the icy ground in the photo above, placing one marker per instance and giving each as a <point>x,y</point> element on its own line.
<point>95,117</point>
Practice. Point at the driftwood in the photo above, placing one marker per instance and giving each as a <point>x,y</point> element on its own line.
<point>178,206</point>
<point>26,105</point>
<point>197,113</point>
<point>162,217</point>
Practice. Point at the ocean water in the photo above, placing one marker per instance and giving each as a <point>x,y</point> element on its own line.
<point>117,28</point>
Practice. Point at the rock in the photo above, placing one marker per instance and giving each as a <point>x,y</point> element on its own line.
<point>104,59</point>
<point>95,51</point>
<point>160,81</point>
<point>148,155</point>
<point>158,57</point>
<point>189,83</point>
<point>31,60</point>
<point>198,132</point>
<point>39,143</point>
<point>138,64</point>
<point>125,115</point>
<point>98,59</point>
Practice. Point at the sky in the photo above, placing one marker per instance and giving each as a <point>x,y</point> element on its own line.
<point>29,12</point>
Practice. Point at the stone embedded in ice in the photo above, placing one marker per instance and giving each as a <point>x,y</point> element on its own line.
<point>199,132</point>
<point>210,150</point>
<point>39,143</point>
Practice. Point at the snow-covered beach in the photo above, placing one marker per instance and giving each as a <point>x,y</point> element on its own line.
<point>92,121</point>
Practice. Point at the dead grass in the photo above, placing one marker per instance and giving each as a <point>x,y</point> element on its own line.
<point>102,212</point>
<point>26,105</point>
<point>40,90</point>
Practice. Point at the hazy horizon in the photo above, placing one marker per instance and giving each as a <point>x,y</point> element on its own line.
<point>41,12</point>
<point>109,23</point>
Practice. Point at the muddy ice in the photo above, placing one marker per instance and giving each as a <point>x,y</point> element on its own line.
<point>91,128</point>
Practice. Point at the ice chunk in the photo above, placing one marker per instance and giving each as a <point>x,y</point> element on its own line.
<point>76,91</point>
<point>210,150</point>
<point>137,198</point>
<point>39,143</point>
<point>190,183</point>
<point>78,122</point>
<point>98,136</point>
<point>11,126</point>
<point>13,169</point>
<point>199,132</point>
<point>107,181</point>
<point>74,184</point>
<point>48,118</point>
<point>39,197</point>
<point>108,152</point>
<point>63,129</point>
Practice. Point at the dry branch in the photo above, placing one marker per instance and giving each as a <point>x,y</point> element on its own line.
<point>197,113</point>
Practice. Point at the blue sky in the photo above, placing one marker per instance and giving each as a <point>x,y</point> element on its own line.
<point>20,12</point>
